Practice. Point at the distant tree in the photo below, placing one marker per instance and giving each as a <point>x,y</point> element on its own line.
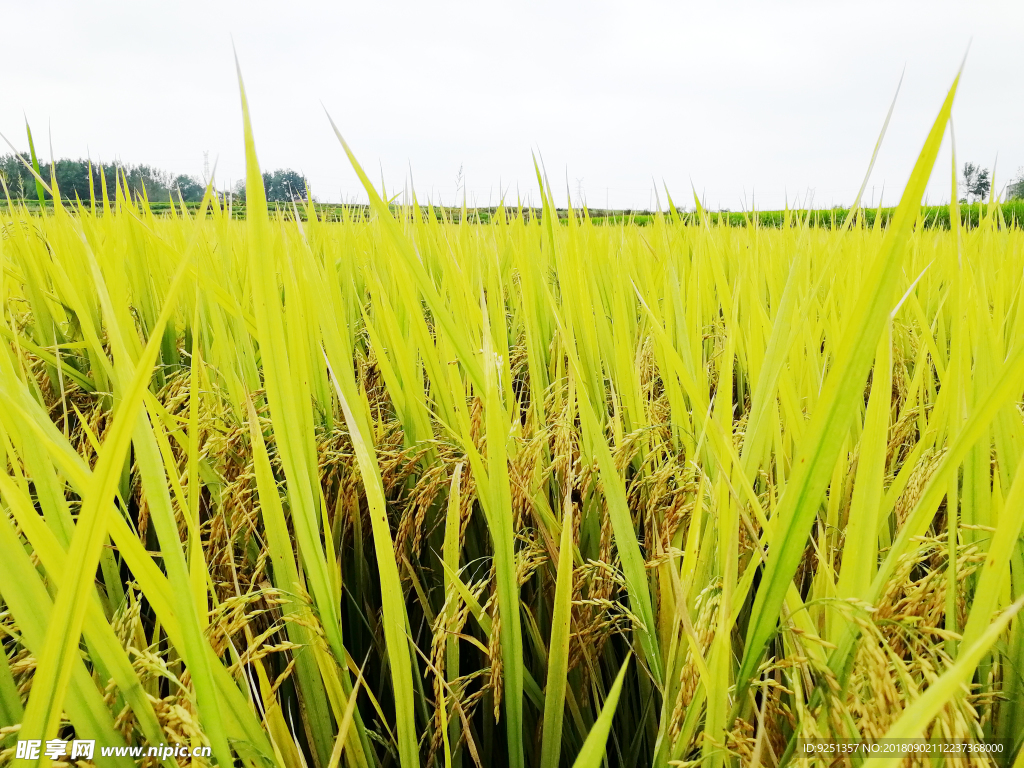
<point>145,178</point>
<point>72,178</point>
<point>12,173</point>
<point>190,188</point>
<point>975,182</point>
<point>281,186</point>
<point>284,186</point>
<point>1015,189</point>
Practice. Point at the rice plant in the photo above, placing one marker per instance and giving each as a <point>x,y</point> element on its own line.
<point>399,488</point>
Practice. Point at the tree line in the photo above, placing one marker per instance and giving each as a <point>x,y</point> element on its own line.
<point>282,185</point>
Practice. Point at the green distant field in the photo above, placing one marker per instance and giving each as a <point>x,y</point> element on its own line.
<point>1009,213</point>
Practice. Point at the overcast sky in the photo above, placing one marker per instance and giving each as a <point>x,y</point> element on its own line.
<point>747,99</point>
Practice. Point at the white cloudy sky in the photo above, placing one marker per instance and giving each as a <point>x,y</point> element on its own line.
<point>752,98</point>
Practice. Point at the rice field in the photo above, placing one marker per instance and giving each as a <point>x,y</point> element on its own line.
<point>397,489</point>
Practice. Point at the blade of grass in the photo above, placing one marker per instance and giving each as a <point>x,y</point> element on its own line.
<point>593,752</point>
<point>558,648</point>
